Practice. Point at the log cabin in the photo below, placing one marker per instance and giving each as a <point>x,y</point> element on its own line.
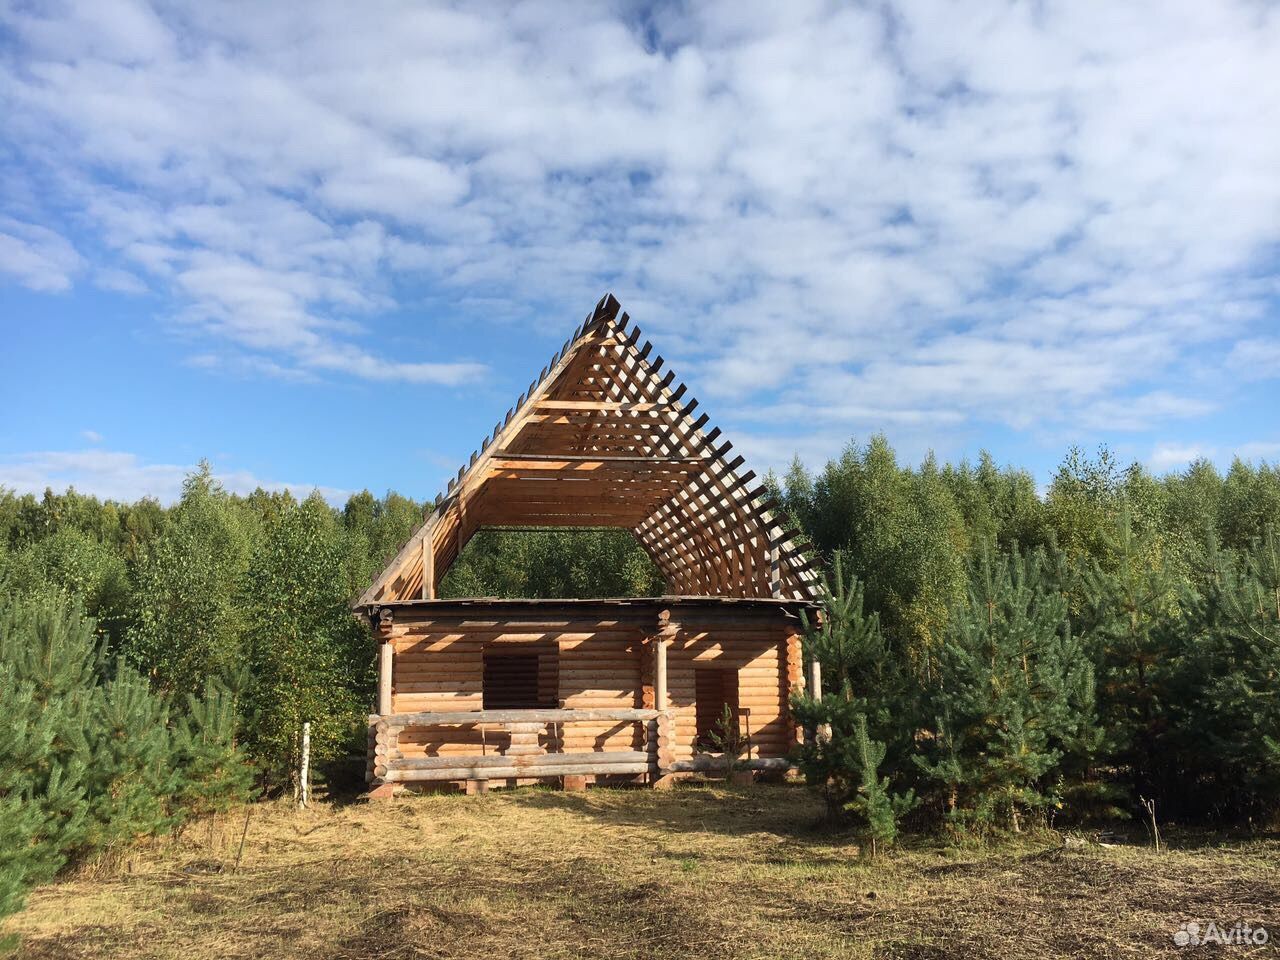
<point>482,691</point>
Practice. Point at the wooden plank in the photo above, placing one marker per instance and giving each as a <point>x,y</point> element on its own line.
<point>433,718</point>
<point>703,762</point>
<point>386,651</point>
<point>428,566</point>
<point>596,405</point>
<point>521,762</point>
<point>465,772</point>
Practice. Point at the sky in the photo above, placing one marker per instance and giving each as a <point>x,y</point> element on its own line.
<point>327,245</point>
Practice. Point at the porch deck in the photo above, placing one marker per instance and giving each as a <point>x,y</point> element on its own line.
<point>531,747</point>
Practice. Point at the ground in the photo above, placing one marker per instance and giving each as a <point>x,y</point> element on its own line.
<point>700,871</point>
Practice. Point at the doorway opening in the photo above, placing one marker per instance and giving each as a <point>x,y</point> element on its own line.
<point>714,689</point>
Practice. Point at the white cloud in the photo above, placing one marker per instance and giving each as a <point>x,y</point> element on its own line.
<point>1260,450</point>
<point>1172,456</point>
<point>928,213</point>
<point>1257,358</point>
<point>36,256</point>
<point>126,477</point>
<point>93,436</point>
<point>119,281</point>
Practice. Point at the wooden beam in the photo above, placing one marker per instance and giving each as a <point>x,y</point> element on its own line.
<point>386,651</point>
<point>660,661</point>
<point>609,405</point>
<point>601,767</point>
<point>429,564</point>
<point>448,717</point>
<point>520,760</point>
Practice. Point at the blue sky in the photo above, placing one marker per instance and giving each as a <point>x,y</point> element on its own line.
<point>327,246</point>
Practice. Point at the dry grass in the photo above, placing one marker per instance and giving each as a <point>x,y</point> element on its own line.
<point>696,872</point>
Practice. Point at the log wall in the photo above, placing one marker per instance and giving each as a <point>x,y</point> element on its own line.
<point>755,650</point>
<point>590,657</point>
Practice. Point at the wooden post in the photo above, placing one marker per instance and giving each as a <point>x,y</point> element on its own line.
<point>304,775</point>
<point>428,565</point>
<point>823,733</point>
<point>659,672</point>
<point>386,651</point>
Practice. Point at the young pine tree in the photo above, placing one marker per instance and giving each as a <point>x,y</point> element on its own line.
<point>877,807</point>
<point>1222,718</point>
<point>843,760</point>
<point>131,775</point>
<point>214,771</point>
<point>48,676</point>
<point>1015,694</point>
<point>1128,612</point>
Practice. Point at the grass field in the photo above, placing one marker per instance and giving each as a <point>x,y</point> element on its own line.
<point>695,872</point>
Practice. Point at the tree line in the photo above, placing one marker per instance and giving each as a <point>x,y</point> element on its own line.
<point>995,657</point>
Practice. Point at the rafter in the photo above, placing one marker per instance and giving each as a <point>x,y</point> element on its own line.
<point>605,437</point>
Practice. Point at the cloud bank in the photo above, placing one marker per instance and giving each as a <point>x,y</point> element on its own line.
<point>115,475</point>
<point>1051,215</point>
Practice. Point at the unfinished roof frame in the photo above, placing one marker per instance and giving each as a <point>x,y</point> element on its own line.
<point>604,438</point>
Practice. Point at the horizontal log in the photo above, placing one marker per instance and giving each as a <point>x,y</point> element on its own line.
<point>466,772</point>
<point>440,668</point>
<point>598,405</point>
<point>583,675</point>
<point>428,629</point>
<point>433,718</point>
<point>520,762</point>
<point>570,690</point>
<point>703,762</point>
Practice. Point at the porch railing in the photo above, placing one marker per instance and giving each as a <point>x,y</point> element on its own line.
<point>524,756</point>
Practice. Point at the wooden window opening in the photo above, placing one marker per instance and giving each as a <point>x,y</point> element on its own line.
<point>511,681</point>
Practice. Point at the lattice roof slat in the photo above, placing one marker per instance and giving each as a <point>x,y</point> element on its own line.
<point>605,438</point>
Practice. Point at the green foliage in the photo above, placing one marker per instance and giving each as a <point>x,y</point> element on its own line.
<point>308,658</point>
<point>1123,610</point>
<point>188,615</point>
<point>901,532</point>
<point>374,530</point>
<point>48,680</point>
<point>839,756</point>
<point>1218,739</point>
<point>1015,697</point>
<point>90,757</point>
<point>553,563</point>
<point>873,803</point>
<point>72,562</point>
<point>213,776</point>
<point>727,739</point>
<point>846,640</point>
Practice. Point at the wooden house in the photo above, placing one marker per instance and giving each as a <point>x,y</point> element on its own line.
<point>494,690</point>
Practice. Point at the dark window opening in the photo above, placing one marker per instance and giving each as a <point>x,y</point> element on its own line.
<point>714,688</point>
<point>511,681</point>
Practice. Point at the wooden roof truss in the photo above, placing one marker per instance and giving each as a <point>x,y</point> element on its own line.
<point>604,438</point>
